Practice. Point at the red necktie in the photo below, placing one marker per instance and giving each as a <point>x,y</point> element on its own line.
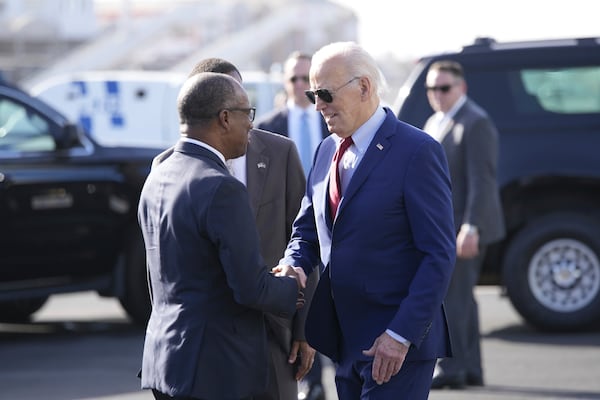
<point>335,188</point>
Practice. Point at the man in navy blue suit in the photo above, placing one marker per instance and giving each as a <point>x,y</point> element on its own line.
<point>380,225</point>
<point>206,337</point>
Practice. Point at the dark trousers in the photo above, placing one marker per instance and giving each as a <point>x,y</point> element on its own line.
<point>354,380</point>
<point>315,375</point>
<point>463,319</point>
<point>161,396</point>
<point>282,381</point>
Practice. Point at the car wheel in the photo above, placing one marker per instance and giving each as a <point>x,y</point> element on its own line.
<point>136,299</point>
<point>20,310</point>
<point>552,272</point>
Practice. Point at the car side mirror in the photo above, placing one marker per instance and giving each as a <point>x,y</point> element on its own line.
<point>69,137</point>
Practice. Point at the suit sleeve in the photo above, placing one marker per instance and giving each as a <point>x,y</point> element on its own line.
<point>481,148</point>
<point>429,207</point>
<point>232,226</point>
<point>295,188</point>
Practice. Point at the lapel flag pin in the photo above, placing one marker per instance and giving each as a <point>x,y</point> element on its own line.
<point>379,146</point>
<point>261,165</point>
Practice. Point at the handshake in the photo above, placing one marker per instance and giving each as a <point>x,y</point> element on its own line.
<point>296,273</point>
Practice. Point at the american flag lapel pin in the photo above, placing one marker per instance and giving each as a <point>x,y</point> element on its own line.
<point>261,165</point>
<point>379,146</point>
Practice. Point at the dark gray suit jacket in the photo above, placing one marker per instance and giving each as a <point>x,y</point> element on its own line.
<point>276,185</point>
<point>470,141</point>
<point>206,335</point>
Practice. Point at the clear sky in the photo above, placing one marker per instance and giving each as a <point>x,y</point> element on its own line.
<point>410,28</point>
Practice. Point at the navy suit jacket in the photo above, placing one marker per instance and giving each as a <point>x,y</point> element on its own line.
<point>389,255</point>
<point>206,335</point>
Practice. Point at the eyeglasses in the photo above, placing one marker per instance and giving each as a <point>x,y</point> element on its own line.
<point>295,79</point>
<point>325,94</point>
<point>442,88</point>
<point>250,112</point>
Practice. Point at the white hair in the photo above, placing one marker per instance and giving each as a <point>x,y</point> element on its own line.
<point>359,62</point>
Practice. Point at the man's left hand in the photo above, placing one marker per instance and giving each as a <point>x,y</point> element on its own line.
<point>388,357</point>
<point>302,351</point>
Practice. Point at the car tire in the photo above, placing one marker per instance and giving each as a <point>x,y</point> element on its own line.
<point>20,310</point>
<point>136,299</point>
<point>551,271</point>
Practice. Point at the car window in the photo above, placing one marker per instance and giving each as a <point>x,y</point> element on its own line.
<point>23,130</point>
<point>566,90</point>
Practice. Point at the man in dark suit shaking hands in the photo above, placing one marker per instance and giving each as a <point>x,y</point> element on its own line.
<point>273,175</point>
<point>377,216</point>
<point>206,335</point>
<point>470,141</point>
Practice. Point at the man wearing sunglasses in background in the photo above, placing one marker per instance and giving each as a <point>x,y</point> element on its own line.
<point>470,141</point>
<point>377,217</point>
<point>298,119</point>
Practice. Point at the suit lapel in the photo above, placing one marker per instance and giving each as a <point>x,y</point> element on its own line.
<point>320,177</point>
<point>257,164</point>
<point>376,151</point>
<point>451,137</point>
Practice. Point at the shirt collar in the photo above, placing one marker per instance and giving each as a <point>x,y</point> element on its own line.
<point>459,103</point>
<point>365,133</point>
<point>206,146</point>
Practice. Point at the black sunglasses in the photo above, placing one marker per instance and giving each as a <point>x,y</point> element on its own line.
<point>295,79</point>
<point>441,88</point>
<point>325,94</point>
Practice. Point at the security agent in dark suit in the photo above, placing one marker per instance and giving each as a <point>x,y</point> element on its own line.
<point>288,121</point>
<point>273,175</point>
<point>470,141</point>
<point>206,337</point>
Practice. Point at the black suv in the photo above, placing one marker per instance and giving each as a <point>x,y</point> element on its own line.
<point>68,210</point>
<point>544,97</point>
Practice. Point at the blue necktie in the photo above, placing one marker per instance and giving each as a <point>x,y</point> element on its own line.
<point>304,143</point>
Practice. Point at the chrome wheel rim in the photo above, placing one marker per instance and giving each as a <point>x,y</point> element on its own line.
<point>564,275</point>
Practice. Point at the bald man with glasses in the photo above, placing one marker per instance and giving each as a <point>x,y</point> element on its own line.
<point>210,287</point>
<point>273,176</point>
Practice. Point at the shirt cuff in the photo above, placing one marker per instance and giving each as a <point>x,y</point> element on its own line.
<point>398,338</point>
<point>469,229</point>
